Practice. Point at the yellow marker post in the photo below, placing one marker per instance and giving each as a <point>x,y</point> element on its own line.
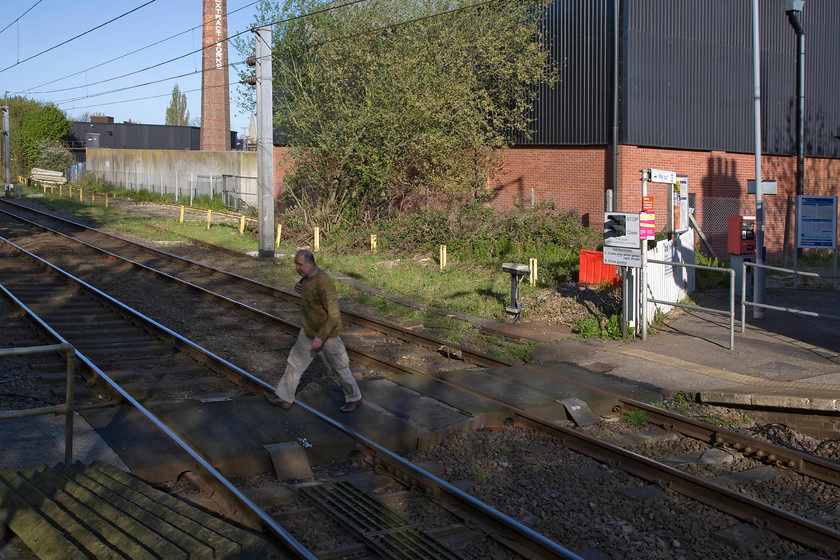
<point>60,191</point>
<point>279,229</point>
<point>241,225</point>
<point>209,213</point>
<point>106,200</point>
<point>317,244</point>
<point>532,264</point>
<point>81,195</point>
<point>71,192</point>
<point>181,217</point>
<point>93,196</point>
<point>442,257</point>
<point>372,243</point>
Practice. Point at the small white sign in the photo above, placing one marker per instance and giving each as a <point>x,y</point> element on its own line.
<point>660,176</point>
<point>622,256</point>
<point>767,187</point>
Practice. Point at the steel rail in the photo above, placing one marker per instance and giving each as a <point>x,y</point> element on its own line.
<point>786,524</point>
<point>472,356</point>
<point>517,534</point>
<point>213,362</point>
<point>802,463</point>
<point>252,513</point>
<point>290,328</point>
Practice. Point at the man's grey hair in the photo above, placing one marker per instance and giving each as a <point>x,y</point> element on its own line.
<point>307,255</point>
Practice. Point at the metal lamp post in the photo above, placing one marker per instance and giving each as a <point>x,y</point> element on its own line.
<point>793,9</point>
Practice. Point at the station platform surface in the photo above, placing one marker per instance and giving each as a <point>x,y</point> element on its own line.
<point>783,359</point>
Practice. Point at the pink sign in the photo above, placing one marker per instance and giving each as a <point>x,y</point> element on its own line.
<point>647,225</point>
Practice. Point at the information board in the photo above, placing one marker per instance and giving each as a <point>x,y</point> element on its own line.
<point>816,222</point>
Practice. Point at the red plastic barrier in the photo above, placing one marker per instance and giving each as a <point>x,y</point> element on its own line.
<point>594,271</point>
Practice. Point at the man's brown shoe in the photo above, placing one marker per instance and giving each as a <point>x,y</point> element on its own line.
<point>277,401</point>
<point>351,406</point>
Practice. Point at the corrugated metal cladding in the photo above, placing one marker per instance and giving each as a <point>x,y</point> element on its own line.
<point>578,109</point>
<point>686,75</point>
<point>142,136</point>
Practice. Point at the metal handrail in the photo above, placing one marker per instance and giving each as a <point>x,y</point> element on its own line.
<point>68,408</point>
<point>745,303</point>
<point>730,313</point>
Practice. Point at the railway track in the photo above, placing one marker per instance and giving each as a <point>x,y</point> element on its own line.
<point>788,524</point>
<point>386,338</point>
<point>113,341</point>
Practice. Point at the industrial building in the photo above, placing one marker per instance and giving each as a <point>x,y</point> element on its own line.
<point>669,85</point>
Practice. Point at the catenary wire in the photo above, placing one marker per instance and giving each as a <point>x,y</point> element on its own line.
<point>30,90</point>
<point>77,36</point>
<point>21,15</point>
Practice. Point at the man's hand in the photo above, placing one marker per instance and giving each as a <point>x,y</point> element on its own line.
<point>317,343</point>
<point>299,286</point>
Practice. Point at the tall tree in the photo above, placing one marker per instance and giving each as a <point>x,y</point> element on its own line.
<point>389,99</point>
<point>177,113</point>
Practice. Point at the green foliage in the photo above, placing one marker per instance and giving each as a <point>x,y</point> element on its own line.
<point>636,417</point>
<point>473,232</point>
<point>709,279</point>
<point>389,101</point>
<point>33,126</point>
<point>177,113</point>
<point>681,397</point>
<point>599,326</point>
<point>53,155</point>
<point>719,422</point>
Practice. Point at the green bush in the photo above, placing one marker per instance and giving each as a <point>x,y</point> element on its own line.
<point>709,279</point>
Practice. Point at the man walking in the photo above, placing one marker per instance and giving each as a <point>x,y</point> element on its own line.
<point>321,327</point>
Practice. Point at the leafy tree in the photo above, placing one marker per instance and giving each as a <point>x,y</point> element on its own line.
<point>32,127</point>
<point>54,155</point>
<point>177,113</point>
<point>388,101</point>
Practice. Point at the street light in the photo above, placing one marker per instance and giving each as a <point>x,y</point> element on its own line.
<point>793,9</point>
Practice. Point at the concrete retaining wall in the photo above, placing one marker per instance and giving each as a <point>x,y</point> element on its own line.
<point>180,173</point>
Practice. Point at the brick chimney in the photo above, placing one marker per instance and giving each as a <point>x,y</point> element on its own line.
<point>215,96</point>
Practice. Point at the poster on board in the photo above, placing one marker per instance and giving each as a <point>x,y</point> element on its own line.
<point>678,205</point>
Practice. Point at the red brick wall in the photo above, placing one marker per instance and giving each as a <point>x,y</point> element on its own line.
<point>570,178</point>
<point>574,180</point>
<point>215,95</point>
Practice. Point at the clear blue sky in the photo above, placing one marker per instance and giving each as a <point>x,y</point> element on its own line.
<point>69,75</point>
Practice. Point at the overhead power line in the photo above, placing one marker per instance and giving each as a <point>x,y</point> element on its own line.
<point>21,15</point>
<point>287,20</point>
<point>77,36</point>
<point>135,51</point>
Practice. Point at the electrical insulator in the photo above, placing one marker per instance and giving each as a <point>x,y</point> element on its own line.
<point>251,80</point>
<point>251,61</point>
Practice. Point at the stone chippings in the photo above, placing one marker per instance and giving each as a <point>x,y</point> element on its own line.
<point>588,506</point>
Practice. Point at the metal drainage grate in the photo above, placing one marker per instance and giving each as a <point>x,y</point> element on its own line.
<point>381,528</point>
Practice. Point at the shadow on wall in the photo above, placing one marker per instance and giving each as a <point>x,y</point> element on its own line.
<point>515,188</point>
